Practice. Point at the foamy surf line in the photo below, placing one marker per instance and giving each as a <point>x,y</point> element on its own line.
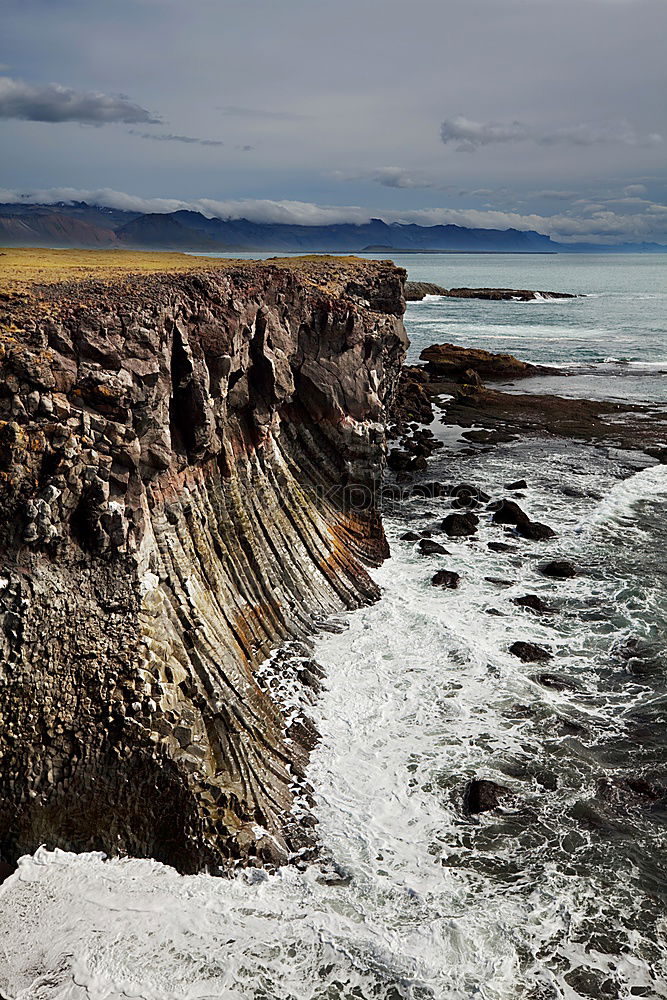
<point>421,695</point>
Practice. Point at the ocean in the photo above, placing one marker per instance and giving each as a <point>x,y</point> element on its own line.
<point>561,892</point>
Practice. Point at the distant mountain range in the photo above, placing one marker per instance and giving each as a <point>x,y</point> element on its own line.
<point>77,224</point>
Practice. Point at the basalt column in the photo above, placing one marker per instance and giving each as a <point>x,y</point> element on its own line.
<point>187,472</point>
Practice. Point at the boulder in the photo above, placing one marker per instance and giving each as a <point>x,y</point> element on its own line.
<point>530,652</point>
<point>481,795</point>
<point>409,536</point>
<point>430,548</point>
<point>445,578</point>
<point>520,484</point>
<point>508,512</point>
<point>500,547</point>
<point>467,495</point>
<point>560,569</point>
<point>535,531</point>
<point>554,681</point>
<point>451,362</point>
<point>531,602</point>
<point>460,525</point>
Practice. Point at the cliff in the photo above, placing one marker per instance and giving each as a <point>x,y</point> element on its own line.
<point>187,470</point>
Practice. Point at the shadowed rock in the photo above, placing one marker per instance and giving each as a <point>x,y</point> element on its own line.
<point>531,602</point>
<point>445,578</point>
<point>530,652</point>
<point>430,548</point>
<point>460,525</point>
<point>560,569</point>
<point>481,795</point>
<point>451,361</point>
<point>415,291</point>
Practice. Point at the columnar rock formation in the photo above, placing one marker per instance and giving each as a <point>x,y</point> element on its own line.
<point>187,464</point>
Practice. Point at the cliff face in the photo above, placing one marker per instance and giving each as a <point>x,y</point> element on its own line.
<point>187,465</point>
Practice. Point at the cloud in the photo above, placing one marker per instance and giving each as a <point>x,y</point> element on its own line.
<point>634,189</point>
<point>597,223</point>
<point>391,177</point>
<point>52,103</point>
<point>232,111</point>
<point>170,137</point>
<point>468,135</point>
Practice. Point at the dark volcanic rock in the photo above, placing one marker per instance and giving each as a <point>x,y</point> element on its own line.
<point>535,531</point>
<point>501,547</point>
<point>412,400</point>
<point>460,525</point>
<point>481,795</point>
<point>509,512</point>
<point>520,484</point>
<point>410,536</point>
<point>561,569</point>
<point>450,361</point>
<point>445,578</point>
<point>554,681</point>
<point>465,495</point>
<point>530,652</point>
<point>429,548</point>
<point>187,478</point>
<point>415,291</point>
<point>399,460</point>
<point>531,602</point>
<point>506,294</point>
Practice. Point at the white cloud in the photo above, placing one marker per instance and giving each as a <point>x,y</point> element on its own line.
<point>468,135</point>
<point>53,103</point>
<point>595,223</point>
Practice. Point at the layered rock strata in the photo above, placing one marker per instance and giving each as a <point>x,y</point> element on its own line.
<point>188,465</point>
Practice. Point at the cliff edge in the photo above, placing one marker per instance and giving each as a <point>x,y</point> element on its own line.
<point>188,461</point>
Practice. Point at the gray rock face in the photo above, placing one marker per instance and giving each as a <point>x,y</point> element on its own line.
<point>187,475</point>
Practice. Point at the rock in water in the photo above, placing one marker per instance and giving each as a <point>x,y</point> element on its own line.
<point>530,652</point>
<point>532,603</point>
<point>446,578</point>
<point>429,548</point>
<point>481,795</point>
<point>415,291</point>
<point>460,525</point>
<point>451,361</point>
<point>189,472</point>
<point>561,569</point>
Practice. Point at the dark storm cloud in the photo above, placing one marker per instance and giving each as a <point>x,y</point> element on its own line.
<point>170,137</point>
<point>52,103</point>
<point>468,135</point>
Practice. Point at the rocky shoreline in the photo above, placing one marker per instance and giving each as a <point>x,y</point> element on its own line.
<point>415,291</point>
<point>188,463</point>
<point>452,389</point>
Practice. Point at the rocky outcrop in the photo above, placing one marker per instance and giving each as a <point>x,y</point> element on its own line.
<point>505,294</point>
<point>451,362</point>
<point>417,290</point>
<point>188,465</point>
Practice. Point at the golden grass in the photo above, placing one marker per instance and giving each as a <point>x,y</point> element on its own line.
<point>22,268</point>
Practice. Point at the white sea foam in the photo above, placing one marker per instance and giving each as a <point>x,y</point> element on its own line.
<point>421,695</point>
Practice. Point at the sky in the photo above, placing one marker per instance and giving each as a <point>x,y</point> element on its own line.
<point>538,114</point>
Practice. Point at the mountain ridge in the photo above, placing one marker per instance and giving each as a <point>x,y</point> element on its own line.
<point>81,225</point>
